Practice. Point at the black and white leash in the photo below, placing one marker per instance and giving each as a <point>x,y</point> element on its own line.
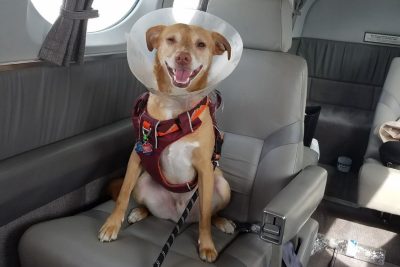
<point>240,227</point>
<point>175,231</point>
<point>182,219</point>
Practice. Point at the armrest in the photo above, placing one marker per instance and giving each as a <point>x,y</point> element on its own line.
<point>291,208</point>
<point>44,174</point>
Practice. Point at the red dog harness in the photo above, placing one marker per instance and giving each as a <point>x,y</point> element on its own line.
<point>154,136</point>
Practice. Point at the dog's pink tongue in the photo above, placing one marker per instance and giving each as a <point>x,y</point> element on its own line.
<point>182,75</point>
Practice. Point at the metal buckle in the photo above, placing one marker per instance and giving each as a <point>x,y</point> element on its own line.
<point>272,228</point>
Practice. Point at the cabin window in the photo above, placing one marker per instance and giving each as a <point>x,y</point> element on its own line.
<point>192,4</point>
<point>110,12</point>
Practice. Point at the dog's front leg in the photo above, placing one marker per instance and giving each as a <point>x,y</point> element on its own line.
<point>109,231</point>
<point>205,174</point>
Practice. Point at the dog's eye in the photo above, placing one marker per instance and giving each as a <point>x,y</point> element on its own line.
<point>201,44</point>
<point>171,40</point>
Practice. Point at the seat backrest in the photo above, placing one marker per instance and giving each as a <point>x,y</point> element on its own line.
<point>388,108</point>
<point>44,104</point>
<point>264,102</point>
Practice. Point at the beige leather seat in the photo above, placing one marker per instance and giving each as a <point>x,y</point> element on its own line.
<point>379,186</point>
<point>264,103</point>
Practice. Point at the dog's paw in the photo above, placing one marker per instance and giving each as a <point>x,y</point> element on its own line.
<point>109,231</point>
<point>138,214</point>
<point>208,254</point>
<point>225,225</point>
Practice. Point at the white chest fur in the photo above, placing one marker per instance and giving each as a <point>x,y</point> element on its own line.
<point>176,159</point>
<point>176,162</point>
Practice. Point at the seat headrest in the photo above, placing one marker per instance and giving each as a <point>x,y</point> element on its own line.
<point>262,24</point>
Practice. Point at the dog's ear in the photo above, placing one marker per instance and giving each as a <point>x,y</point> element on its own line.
<point>221,44</point>
<point>152,36</point>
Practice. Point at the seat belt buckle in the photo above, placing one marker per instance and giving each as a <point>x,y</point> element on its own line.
<point>272,228</point>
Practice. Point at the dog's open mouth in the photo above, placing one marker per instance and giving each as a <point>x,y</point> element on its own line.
<point>181,77</point>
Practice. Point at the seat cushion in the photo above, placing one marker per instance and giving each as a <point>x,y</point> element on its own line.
<point>379,187</point>
<point>72,241</point>
<point>388,108</point>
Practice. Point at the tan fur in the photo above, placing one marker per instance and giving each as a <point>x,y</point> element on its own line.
<point>186,38</point>
<point>111,227</point>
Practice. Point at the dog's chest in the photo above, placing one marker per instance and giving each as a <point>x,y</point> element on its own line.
<point>176,161</point>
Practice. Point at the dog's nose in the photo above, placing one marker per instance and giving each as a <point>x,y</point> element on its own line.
<point>183,58</point>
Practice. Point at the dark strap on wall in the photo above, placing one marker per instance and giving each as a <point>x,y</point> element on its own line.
<point>203,5</point>
<point>298,5</point>
<point>80,15</point>
<point>66,40</point>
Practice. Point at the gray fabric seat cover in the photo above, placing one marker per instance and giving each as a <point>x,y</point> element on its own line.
<point>378,184</point>
<point>60,129</point>
<point>263,118</point>
<point>72,241</point>
<point>46,104</point>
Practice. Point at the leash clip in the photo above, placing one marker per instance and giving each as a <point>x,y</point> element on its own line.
<point>247,227</point>
<point>270,230</point>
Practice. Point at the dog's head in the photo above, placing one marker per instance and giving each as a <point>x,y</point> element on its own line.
<point>184,55</point>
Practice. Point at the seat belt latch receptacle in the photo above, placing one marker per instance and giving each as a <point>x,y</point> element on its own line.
<point>272,228</point>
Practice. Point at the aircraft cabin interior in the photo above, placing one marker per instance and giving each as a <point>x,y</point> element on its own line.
<point>228,133</point>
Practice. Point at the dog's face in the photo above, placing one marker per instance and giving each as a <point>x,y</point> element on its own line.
<point>184,55</point>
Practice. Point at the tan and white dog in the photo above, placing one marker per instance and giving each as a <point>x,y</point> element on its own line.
<point>183,60</point>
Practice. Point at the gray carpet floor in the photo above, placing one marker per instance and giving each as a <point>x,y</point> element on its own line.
<point>322,259</point>
<point>341,185</point>
<point>341,225</point>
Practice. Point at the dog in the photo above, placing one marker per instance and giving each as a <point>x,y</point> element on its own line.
<point>183,60</point>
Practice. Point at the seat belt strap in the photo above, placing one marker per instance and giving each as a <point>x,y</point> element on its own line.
<point>298,5</point>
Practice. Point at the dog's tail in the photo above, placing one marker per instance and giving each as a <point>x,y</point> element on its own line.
<point>114,187</point>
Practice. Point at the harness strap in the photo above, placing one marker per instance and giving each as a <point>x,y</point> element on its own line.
<point>154,136</point>
<point>216,155</point>
<point>174,127</point>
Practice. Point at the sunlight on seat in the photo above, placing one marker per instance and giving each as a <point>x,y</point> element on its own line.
<point>379,187</point>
